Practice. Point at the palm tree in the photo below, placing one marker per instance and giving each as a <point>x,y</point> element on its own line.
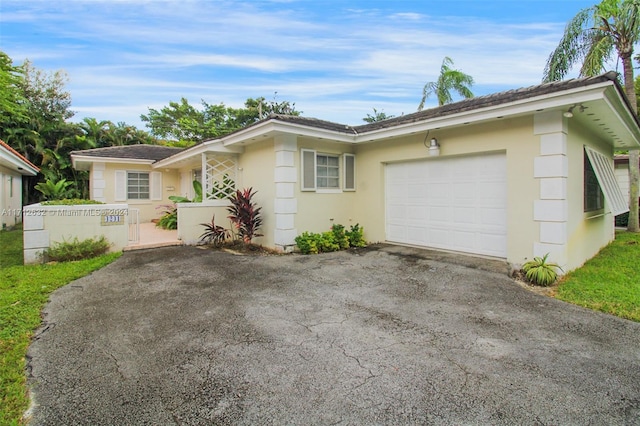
<point>449,79</point>
<point>591,38</point>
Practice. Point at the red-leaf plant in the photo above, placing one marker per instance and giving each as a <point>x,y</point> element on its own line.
<point>245,215</point>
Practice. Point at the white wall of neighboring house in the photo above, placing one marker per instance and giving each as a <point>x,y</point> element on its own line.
<point>10,198</point>
<point>622,176</point>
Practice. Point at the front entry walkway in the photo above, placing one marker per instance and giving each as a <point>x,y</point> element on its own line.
<point>152,237</point>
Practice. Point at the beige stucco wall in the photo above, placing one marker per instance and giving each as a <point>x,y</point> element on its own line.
<point>192,215</point>
<point>256,170</point>
<point>10,197</point>
<point>587,232</point>
<point>319,210</point>
<point>512,136</point>
<point>47,225</point>
<point>148,208</point>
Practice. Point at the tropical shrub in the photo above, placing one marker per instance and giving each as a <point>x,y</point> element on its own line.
<point>540,272</point>
<point>54,190</point>
<point>76,250</point>
<point>169,218</point>
<point>340,237</point>
<point>245,215</point>
<point>214,234</point>
<point>334,240</point>
<point>308,242</point>
<point>356,236</point>
<point>197,189</point>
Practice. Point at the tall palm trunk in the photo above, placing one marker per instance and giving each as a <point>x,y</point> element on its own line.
<point>634,155</point>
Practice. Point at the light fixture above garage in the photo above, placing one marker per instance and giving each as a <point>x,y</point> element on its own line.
<point>569,112</point>
<point>434,147</point>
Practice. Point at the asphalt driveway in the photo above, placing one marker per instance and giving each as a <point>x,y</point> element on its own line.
<point>183,335</point>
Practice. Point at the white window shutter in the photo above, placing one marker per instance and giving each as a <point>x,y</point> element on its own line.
<point>155,184</point>
<point>120,193</point>
<point>308,169</point>
<point>349,172</point>
<point>603,169</point>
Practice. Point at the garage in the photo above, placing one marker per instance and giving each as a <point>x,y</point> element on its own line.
<point>456,203</point>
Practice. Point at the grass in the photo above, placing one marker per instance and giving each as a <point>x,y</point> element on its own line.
<point>610,282</point>
<point>24,289</point>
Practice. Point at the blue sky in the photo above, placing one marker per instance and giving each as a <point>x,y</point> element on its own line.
<point>337,60</point>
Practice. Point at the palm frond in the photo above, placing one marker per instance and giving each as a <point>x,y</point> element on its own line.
<point>600,50</point>
<point>571,47</point>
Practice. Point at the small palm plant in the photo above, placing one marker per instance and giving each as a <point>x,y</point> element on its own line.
<point>540,272</point>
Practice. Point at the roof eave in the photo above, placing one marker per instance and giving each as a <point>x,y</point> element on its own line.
<point>494,112</point>
<point>212,145</point>
<point>17,164</point>
<point>80,162</point>
<point>274,126</point>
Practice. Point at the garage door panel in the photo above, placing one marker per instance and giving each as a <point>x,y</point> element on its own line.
<point>456,204</point>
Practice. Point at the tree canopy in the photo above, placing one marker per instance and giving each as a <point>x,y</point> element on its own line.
<point>377,116</point>
<point>35,109</point>
<point>186,124</point>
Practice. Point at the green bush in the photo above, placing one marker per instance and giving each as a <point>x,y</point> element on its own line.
<point>308,242</point>
<point>70,202</point>
<point>334,240</point>
<point>340,237</point>
<point>356,236</point>
<point>76,250</point>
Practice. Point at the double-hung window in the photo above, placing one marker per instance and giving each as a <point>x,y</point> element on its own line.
<point>137,185</point>
<point>327,172</point>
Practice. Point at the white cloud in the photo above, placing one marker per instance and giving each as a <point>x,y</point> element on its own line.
<point>334,61</point>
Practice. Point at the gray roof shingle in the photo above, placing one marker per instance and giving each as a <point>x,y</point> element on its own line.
<point>454,108</point>
<point>139,152</point>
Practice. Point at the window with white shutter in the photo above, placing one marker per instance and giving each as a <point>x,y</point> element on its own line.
<point>602,168</point>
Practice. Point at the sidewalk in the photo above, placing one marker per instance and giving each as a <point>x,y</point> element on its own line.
<point>152,237</point>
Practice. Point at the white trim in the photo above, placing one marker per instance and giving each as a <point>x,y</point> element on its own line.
<point>213,146</point>
<point>89,159</point>
<point>344,172</point>
<point>155,186</point>
<point>303,184</point>
<point>603,169</point>
<point>120,188</point>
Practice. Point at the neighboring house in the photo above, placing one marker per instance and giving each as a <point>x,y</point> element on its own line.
<point>621,164</point>
<point>125,174</point>
<point>512,175</point>
<point>13,166</point>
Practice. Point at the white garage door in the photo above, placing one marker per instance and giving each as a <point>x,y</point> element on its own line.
<point>449,203</point>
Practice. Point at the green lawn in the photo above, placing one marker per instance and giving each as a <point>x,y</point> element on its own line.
<point>610,282</point>
<point>23,292</point>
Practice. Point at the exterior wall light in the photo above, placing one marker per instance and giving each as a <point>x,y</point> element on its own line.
<point>434,147</point>
<point>569,112</point>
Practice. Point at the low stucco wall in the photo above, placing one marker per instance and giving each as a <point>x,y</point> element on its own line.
<point>192,215</point>
<point>47,225</point>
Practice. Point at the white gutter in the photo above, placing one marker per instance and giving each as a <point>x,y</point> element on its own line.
<point>75,158</point>
<point>212,145</point>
